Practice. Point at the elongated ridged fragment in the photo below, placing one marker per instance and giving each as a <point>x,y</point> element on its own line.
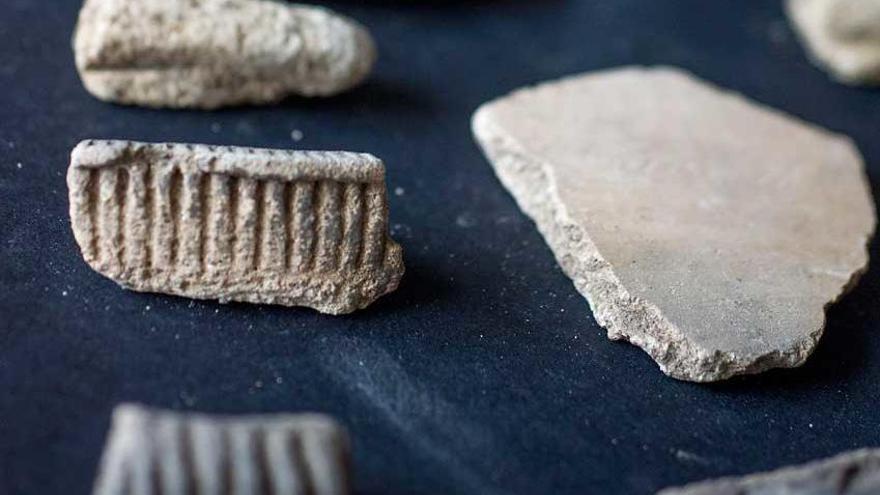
<point>155,452</point>
<point>265,226</point>
<point>213,53</point>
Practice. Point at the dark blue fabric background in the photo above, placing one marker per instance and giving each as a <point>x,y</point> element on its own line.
<point>485,372</point>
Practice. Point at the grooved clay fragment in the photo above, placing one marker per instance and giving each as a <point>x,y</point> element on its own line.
<point>298,228</point>
<point>851,473</point>
<point>212,53</point>
<point>841,35</point>
<point>708,230</point>
<point>154,452</point>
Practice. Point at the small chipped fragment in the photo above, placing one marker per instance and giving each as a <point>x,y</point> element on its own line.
<point>708,230</point>
<point>213,53</point>
<point>155,452</point>
<point>852,473</point>
<point>842,36</point>
<point>297,228</point>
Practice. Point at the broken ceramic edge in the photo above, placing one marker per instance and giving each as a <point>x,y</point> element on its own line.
<point>296,228</point>
<point>152,452</point>
<point>851,473</point>
<point>626,317</point>
<point>216,53</point>
<point>840,36</point>
<point>567,240</point>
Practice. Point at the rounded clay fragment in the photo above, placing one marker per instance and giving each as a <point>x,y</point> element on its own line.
<point>213,53</point>
<point>297,228</point>
<point>841,35</point>
<point>709,230</point>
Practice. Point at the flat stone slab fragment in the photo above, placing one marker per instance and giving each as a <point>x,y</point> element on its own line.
<point>842,36</point>
<point>852,473</point>
<point>154,452</point>
<point>298,228</point>
<point>212,53</point>
<point>708,230</point>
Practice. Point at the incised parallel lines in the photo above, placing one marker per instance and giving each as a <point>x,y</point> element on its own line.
<point>154,219</point>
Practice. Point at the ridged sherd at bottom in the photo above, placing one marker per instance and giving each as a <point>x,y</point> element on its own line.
<point>297,228</point>
<point>154,452</point>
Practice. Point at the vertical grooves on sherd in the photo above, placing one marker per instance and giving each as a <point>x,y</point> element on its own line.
<point>188,453</point>
<point>329,225</point>
<point>190,229</point>
<point>84,204</point>
<point>274,238</point>
<point>205,209</point>
<point>218,225</point>
<point>149,219</point>
<point>289,219</point>
<point>233,186</point>
<point>227,476</point>
<point>161,186</point>
<point>352,226</point>
<point>186,220</point>
<point>121,200</point>
<point>175,180</point>
<point>303,224</point>
<point>374,230</point>
<point>245,224</point>
<point>259,234</point>
<point>207,218</point>
<point>163,453</point>
<point>108,220</point>
<point>263,468</point>
<point>299,463</point>
<point>132,218</point>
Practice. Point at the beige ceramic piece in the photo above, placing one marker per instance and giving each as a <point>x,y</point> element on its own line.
<point>708,230</point>
<point>153,452</point>
<point>212,53</point>
<point>297,228</point>
<point>841,35</point>
<point>851,473</point>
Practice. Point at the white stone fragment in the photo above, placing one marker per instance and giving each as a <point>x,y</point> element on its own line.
<point>155,452</point>
<point>212,53</point>
<point>708,230</point>
<point>298,228</point>
<point>841,35</point>
<point>850,473</point>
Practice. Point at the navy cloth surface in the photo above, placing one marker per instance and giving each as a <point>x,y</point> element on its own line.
<point>484,373</point>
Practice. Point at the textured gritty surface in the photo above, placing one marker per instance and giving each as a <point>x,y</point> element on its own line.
<point>628,174</point>
<point>298,228</point>
<point>156,452</point>
<point>213,53</point>
<point>841,35</point>
<point>850,473</point>
<point>484,372</point>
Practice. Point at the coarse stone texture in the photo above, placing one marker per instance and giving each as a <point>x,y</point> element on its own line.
<point>155,452</point>
<point>851,473</point>
<point>706,229</point>
<point>298,228</point>
<point>841,35</point>
<point>212,53</point>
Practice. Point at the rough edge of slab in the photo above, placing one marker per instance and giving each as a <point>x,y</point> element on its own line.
<point>849,464</point>
<point>624,316</point>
